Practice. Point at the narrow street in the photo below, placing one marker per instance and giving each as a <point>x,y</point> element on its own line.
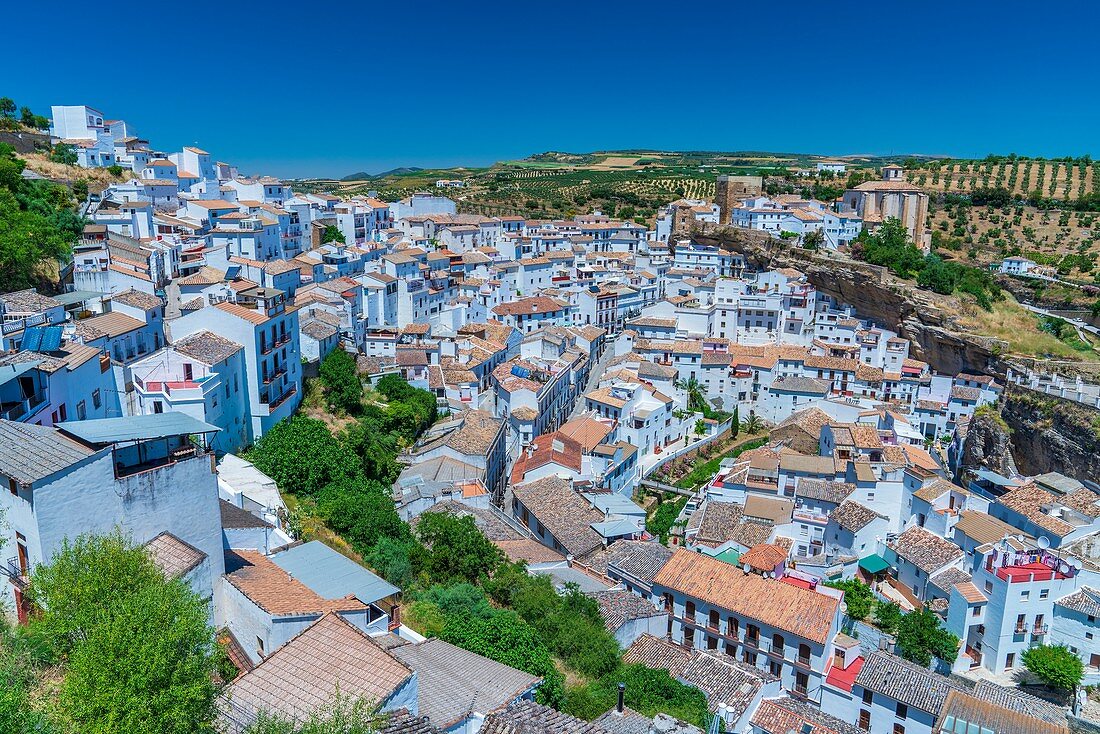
<point>594,377</point>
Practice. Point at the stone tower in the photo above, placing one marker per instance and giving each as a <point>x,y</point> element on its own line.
<point>728,189</point>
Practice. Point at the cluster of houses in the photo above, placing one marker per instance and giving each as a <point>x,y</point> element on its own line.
<point>568,359</point>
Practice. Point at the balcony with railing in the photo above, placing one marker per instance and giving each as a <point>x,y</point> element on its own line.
<point>15,572</point>
<point>753,643</point>
<point>146,456</point>
<point>21,410</point>
<point>274,404</point>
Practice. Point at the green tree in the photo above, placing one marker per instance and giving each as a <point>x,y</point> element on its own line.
<point>342,715</point>
<point>375,448</point>
<point>462,599</point>
<point>63,153</point>
<point>85,578</point>
<point>332,234</point>
<point>115,170</point>
<point>391,559</point>
<point>80,190</point>
<point>1055,665</point>
<point>342,387</point>
<point>303,456</point>
<point>813,240</point>
<point>920,636</point>
<point>36,223</point>
<point>362,512</point>
<point>7,107</point>
<point>18,676</point>
<point>453,549</point>
<point>887,616</point>
<point>506,638</point>
<point>139,655</point>
<point>147,669</point>
<point>26,116</point>
<point>858,597</point>
<point>752,424</point>
<point>696,394</point>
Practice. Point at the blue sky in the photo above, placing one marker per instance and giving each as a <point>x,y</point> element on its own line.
<point>296,89</point>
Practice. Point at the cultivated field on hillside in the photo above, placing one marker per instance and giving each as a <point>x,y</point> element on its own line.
<point>1062,179</point>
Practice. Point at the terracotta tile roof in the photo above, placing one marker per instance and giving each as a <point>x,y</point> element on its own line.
<point>808,614</point>
<point>936,489</point>
<point>205,275</point>
<point>1083,500</point>
<point>234,517</point>
<point>113,324</point>
<point>824,490</point>
<point>983,527</point>
<point>970,593</point>
<point>587,431</point>
<point>785,715</point>
<point>638,559</point>
<point>557,448</point>
<point>1085,601</point>
<point>1015,699</point>
<point>174,557</point>
<point>528,551</point>
<point>723,679</point>
<point>563,512</point>
<point>965,710</point>
<point>853,516</point>
<point>619,607</point>
<point>904,681</point>
<point>528,717</point>
<point>250,315</point>
<point>471,432</point>
<point>274,590</point>
<point>137,299</point>
<point>207,347</point>
<point>1028,501</point>
<point>764,557</point>
<point>530,305</point>
<point>809,420</point>
<point>924,549</point>
<point>331,657</point>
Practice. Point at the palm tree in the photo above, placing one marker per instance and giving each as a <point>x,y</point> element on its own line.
<point>752,424</point>
<point>697,399</point>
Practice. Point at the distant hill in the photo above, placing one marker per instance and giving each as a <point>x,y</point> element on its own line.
<point>364,176</point>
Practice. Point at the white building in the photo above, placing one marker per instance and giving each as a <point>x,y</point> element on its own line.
<point>143,475</point>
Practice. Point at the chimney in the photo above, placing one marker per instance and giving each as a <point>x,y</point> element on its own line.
<point>622,697</point>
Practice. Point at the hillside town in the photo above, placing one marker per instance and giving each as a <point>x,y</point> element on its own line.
<point>758,486</point>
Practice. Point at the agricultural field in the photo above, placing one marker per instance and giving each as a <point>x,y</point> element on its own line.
<point>1068,241</point>
<point>627,184</point>
<point>1061,179</point>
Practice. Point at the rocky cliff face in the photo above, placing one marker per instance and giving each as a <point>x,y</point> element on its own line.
<point>988,446</point>
<point>1052,434</point>
<point>920,316</point>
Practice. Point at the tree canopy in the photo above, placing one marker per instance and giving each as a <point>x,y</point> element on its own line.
<point>303,456</point>
<point>343,391</point>
<point>453,549</point>
<point>1055,665</point>
<point>135,649</point>
<point>920,637</point>
<point>37,223</point>
<point>858,597</point>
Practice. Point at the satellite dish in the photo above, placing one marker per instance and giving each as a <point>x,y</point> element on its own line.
<point>1063,568</point>
<point>1044,542</point>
